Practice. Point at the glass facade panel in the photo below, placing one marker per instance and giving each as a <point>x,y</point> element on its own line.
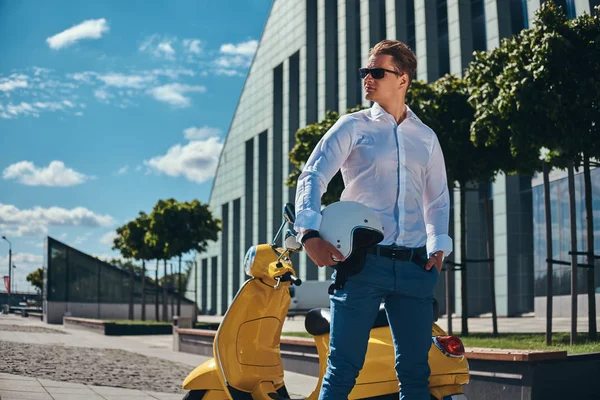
<point>77,277</point>
<point>410,23</point>
<point>443,49</point>
<point>478,25</point>
<point>561,236</point>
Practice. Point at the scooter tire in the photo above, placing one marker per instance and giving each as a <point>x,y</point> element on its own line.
<point>194,395</point>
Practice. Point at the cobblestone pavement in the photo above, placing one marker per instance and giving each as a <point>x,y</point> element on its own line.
<point>104,367</point>
<point>29,329</point>
<point>55,356</point>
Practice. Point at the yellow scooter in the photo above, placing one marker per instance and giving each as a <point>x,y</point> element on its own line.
<point>247,362</point>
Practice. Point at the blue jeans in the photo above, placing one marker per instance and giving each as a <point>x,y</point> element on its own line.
<point>407,290</point>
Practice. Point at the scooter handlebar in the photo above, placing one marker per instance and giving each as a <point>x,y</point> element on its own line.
<point>291,278</point>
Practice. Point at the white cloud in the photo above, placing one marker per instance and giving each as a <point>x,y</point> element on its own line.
<point>166,49</point>
<point>89,29</point>
<point>11,110</point>
<point>102,95</point>
<point>85,76</point>
<point>172,72</point>
<point>245,48</point>
<point>35,221</point>
<point>82,238</point>
<point>107,238</point>
<point>79,114</point>
<point>159,47</point>
<point>234,57</point>
<point>126,81</point>
<point>55,174</point>
<point>193,46</point>
<point>40,71</point>
<point>196,161</point>
<point>15,81</point>
<point>123,170</point>
<point>24,264</point>
<point>204,132</point>
<point>173,93</point>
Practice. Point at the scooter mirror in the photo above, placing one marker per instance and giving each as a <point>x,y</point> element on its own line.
<point>292,244</point>
<point>289,213</point>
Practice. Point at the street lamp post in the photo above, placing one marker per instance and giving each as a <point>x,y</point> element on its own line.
<point>9,264</point>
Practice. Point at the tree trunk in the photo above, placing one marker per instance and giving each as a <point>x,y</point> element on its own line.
<point>463,261</point>
<point>179,289</point>
<point>589,218</point>
<point>490,255</point>
<point>156,314</point>
<point>449,276</point>
<point>143,290</point>
<point>131,292</point>
<point>195,292</point>
<point>549,273</point>
<point>573,215</point>
<point>165,296</point>
<point>172,290</point>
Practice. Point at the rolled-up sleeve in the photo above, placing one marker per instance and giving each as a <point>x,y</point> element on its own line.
<point>326,159</point>
<point>436,203</point>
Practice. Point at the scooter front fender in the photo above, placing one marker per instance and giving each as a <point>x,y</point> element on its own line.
<point>204,377</point>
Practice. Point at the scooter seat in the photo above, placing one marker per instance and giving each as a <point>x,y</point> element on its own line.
<point>317,320</point>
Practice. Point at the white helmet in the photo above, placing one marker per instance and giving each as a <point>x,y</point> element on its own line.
<point>349,225</point>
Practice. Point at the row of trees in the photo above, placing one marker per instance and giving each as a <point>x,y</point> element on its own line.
<point>527,105</point>
<point>171,230</point>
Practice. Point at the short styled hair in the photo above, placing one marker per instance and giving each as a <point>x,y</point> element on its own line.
<point>403,56</point>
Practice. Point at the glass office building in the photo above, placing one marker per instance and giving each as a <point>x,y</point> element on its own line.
<point>306,64</point>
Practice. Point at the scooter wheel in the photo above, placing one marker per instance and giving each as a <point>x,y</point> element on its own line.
<point>194,395</point>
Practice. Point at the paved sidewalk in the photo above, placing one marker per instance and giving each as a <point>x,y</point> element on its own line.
<point>160,346</point>
<point>15,387</point>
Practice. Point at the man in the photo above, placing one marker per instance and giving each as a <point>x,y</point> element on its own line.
<point>391,162</point>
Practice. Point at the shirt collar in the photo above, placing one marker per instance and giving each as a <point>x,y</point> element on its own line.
<point>377,112</point>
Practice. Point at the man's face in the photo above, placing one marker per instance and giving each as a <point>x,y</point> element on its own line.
<point>386,88</point>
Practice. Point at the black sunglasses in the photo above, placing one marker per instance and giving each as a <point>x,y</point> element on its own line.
<point>376,73</point>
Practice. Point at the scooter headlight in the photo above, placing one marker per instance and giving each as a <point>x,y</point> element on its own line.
<point>249,260</point>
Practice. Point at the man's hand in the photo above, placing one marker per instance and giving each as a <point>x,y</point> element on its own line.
<point>322,252</point>
<point>436,260</point>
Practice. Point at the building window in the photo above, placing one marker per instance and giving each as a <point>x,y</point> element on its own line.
<point>312,63</point>
<point>518,16</point>
<point>277,141</point>
<point>561,238</point>
<point>224,256</point>
<point>478,25</point>
<point>443,49</point>
<point>568,6</point>
<point>331,60</point>
<point>235,276</point>
<point>249,193</point>
<point>377,28</point>
<point>410,24</point>
<point>353,54</point>
<point>262,186</point>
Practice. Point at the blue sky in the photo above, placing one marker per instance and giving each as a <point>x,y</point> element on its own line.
<point>107,107</point>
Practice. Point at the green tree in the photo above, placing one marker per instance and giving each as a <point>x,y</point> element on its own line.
<point>182,227</point>
<point>443,106</point>
<point>306,141</point>
<point>539,89</point>
<point>36,279</point>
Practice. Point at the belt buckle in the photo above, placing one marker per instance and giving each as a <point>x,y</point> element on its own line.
<point>393,255</point>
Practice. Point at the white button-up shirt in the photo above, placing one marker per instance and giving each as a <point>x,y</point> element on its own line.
<point>396,170</point>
